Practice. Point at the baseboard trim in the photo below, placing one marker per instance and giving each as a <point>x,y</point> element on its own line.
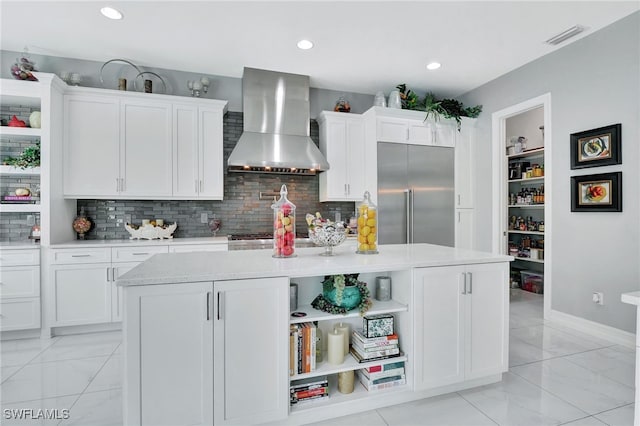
<point>614,335</point>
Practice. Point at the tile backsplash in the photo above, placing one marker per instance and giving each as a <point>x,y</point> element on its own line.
<point>241,211</point>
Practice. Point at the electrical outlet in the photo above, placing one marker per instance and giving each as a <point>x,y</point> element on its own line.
<point>598,297</point>
<point>204,218</point>
<point>31,220</point>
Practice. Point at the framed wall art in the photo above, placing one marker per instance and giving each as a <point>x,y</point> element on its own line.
<point>597,193</point>
<point>596,147</point>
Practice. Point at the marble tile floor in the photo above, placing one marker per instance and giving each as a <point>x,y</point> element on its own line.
<point>557,376</point>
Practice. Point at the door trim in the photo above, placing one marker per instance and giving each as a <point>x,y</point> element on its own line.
<point>500,186</point>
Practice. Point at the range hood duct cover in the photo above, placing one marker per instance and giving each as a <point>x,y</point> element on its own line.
<point>276,126</point>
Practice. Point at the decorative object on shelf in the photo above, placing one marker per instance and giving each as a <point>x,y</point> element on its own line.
<point>597,193</point>
<point>81,224</point>
<point>215,224</point>
<point>36,232</point>
<point>346,381</point>
<point>75,78</point>
<point>293,297</point>
<point>383,288</point>
<point>335,347</point>
<point>377,325</point>
<point>342,105</point>
<point>195,87</point>
<point>380,100</point>
<point>338,295</point>
<point>29,158</point>
<point>149,231</point>
<point>343,328</point>
<point>367,226</point>
<point>23,68</point>
<point>447,108</point>
<point>147,83</point>
<point>326,233</point>
<point>596,147</point>
<point>394,100</point>
<point>16,122</point>
<point>519,144</point>
<point>111,61</point>
<point>35,119</point>
<point>122,84</point>
<point>284,226</point>
<point>22,192</point>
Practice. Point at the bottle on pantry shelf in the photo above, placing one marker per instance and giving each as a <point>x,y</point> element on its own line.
<point>284,226</point>
<point>541,226</point>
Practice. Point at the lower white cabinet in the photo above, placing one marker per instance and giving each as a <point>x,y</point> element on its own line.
<point>19,289</point>
<point>464,228</point>
<point>169,351</point>
<point>461,323</point>
<point>81,294</point>
<point>251,351</point>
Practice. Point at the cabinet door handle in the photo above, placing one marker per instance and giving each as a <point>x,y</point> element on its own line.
<point>108,279</point>
<point>200,186</point>
<point>470,282</point>
<point>464,286</point>
<point>117,296</point>
<point>117,185</point>
<point>348,189</point>
<point>122,184</point>
<point>196,182</point>
<point>208,305</point>
<point>139,254</point>
<point>407,137</point>
<point>220,305</point>
<point>80,255</point>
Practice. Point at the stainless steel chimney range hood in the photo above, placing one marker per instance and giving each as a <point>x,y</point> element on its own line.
<point>276,126</point>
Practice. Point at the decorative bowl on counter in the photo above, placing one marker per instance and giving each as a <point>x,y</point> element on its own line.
<point>328,235</point>
<point>150,232</point>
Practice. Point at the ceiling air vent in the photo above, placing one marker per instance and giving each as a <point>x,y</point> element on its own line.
<point>565,35</point>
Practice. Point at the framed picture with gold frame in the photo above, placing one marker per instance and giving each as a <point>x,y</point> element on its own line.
<point>596,147</point>
<point>597,193</point>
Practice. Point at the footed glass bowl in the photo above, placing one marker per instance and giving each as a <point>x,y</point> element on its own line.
<point>328,236</point>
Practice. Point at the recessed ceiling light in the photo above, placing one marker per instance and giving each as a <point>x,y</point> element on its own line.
<point>111,13</point>
<point>305,45</point>
<point>433,66</point>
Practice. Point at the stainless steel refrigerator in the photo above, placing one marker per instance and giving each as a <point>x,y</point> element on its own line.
<point>415,194</point>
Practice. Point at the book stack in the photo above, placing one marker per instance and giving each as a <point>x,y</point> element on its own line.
<point>367,349</point>
<point>310,389</point>
<point>302,347</point>
<point>382,376</point>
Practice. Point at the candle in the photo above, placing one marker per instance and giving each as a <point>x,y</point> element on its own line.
<point>344,329</point>
<point>383,288</point>
<point>345,381</point>
<point>159,222</point>
<point>145,222</point>
<point>335,347</point>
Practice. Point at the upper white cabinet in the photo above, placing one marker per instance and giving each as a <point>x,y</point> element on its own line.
<point>198,167</point>
<point>342,141</point>
<point>142,146</point>
<point>410,127</point>
<point>465,165</point>
<point>462,314</point>
<point>91,145</point>
<point>146,144</point>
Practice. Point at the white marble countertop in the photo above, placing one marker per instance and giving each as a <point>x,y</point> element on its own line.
<point>128,243</point>
<point>19,245</point>
<point>211,266</point>
<point>632,298</point>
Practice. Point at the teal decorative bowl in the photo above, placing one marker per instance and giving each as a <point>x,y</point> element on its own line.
<point>351,297</point>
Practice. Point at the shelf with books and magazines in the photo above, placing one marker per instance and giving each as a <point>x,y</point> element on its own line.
<point>309,329</point>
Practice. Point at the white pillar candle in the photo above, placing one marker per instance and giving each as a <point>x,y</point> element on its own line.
<point>344,329</point>
<point>335,348</point>
<point>346,381</point>
<point>159,222</point>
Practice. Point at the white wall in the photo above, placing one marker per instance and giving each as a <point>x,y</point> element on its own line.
<point>593,82</point>
<point>528,125</point>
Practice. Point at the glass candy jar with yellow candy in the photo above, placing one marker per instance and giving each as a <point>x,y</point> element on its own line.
<point>367,226</point>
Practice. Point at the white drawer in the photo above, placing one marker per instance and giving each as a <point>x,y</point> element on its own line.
<point>86,255</point>
<point>19,281</point>
<point>187,248</point>
<point>20,314</point>
<point>136,254</point>
<point>19,257</point>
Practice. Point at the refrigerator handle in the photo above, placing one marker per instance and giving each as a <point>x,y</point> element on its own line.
<point>407,209</point>
<point>411,212</point>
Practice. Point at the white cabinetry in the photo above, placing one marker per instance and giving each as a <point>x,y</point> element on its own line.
<point>198,143</point>
<point>414,130</point>
<point>91,145</point>
<point>131,145</point>
<point>145,148</point>
<point>20,289</point>
<point>461,323</point>
<point>251,350</point>
<point>169,348</point>
<point>465,154</point>
<point>465,228</point>
<point>342,141</point>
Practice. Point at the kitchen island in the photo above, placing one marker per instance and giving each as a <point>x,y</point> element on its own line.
<point>206,335</point>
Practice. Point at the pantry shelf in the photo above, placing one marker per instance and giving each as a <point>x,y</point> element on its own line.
<point>526,232</point>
